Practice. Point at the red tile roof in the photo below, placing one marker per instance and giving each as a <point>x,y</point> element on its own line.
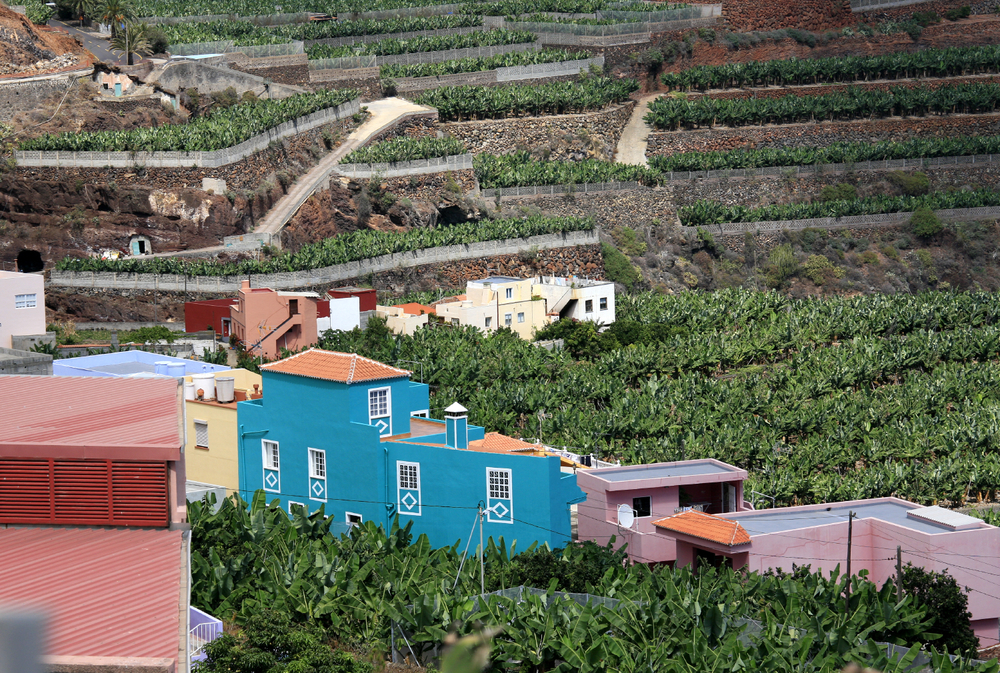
<point>494,442</point>
<point>705,527</point>
<point>414,308</point>
<point>90,417</point>
<point>330,366</point>
<point>106,592</point>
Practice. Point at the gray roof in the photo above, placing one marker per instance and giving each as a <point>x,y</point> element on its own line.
<point>689,468</point>
<point>498,279</point>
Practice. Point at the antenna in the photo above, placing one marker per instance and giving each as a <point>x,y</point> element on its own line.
<point>626,516</point>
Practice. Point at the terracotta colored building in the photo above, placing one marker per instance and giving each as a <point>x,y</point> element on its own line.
<point>267,320</point>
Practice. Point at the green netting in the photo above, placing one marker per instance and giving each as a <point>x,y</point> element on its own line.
<point>199,48</point>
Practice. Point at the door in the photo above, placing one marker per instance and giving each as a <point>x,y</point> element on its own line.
<point>226,326</point>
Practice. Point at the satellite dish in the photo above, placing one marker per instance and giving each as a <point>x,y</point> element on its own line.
<point>626,516</point>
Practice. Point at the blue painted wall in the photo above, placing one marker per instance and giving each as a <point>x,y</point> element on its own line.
<point>362,472</point>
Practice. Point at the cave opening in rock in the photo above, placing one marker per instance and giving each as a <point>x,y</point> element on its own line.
<point>29,261</point>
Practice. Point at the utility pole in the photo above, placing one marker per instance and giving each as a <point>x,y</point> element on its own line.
<point>899,574</point>
<point>850,532</point>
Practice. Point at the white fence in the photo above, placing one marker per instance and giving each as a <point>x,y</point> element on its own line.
<point>214,159</point>
<point>331,274</point>
<point>372,61</point>
<point>851,221</point>
<point>366,39</point>
<point>457,162</point>
<point>228,47</point>
<point>556,190</point>
<point>543,70</point>
<point>259,20</point>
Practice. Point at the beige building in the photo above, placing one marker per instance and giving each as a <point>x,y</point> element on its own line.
<point>212,446</point>
<point>527,305</point>
<point>402,319</point>
<point>22,305</point>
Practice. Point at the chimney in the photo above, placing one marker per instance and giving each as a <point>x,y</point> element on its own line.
<point>245,285</point>
<point>456,425</point>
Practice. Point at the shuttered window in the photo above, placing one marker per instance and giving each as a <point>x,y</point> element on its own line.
<point>201,434</point>
<point>83,492</point>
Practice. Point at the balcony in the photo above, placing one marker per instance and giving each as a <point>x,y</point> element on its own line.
<point>204,628</point>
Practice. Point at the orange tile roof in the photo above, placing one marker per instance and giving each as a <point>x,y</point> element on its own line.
<point>705,527</point>
<point>494,442</point>
<point>329,366</point>
<point>414,308</point>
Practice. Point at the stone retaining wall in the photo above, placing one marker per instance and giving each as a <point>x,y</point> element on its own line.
<point>819,90</point>
<point>23,96</point>
<point>816,15</point>
<point>460,162</point>
<point>500,136</point>
<point>854,221</point>
<point>330,274</point>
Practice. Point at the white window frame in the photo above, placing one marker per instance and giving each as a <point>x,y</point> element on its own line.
<point>509,498</point>
<point>489,321</point>
<point>422,413</point>
<point>198,422</point>
<point>509,294</point>
<point>508,319</point>
<point>313,476</point>
<point>399,487</point>
<point>455,322</point>
<point>28,300</point>
<point>603,303</point>
<point>347,518</point>
<point>520,317</point>
<point>388,407</point>
<point>588,305</point>
<point>313,472</point>
<point>265,444</point>
<point>300,504</point>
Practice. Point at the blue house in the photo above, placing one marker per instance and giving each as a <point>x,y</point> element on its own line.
<point>353,434</point>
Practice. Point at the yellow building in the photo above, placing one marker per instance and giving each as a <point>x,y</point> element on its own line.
<point>495,302</point>
<point>212,447</point>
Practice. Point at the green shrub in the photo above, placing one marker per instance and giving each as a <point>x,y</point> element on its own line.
<point>890,252</point>
<point>781,265</point>
<point>924,19</point>
<point>707,34</point>
<point>157,40</point>
<point>618,267</point>
<point>925,258</point>
<point>819,269</point>
<point>956,13</point>
<point>839,192</point>
<point>628,241</point>
<point>911,184</point>
<point>925,223</point>
<point>869,257</point>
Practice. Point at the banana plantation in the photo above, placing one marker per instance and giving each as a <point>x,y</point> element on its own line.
<point>374,588</point>
<point>479,64</point>
<point>405,149</point>
<point>219,129</point>
<point>394,46</point>
<point>519,169</point>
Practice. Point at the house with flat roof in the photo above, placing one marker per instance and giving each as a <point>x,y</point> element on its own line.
<point>267,320</point>
<point>22,306</point>
<point>526,305</point>
<point>132,364</point>
<point>354,435</point>
<point>92,516</point>
<point>816,535</point>
<point>639,495</point>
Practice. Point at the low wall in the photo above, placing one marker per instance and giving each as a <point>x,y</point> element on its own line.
<point>373,61</point>
<point>330,274</point>
<point>128,326</point>
<point>555,190</point>
<point>25,363</point>
<point>566,39</point>
<point>460,162</point>
<point>367,39</point>
<point>853,221</point>
<point>187,159</point>
<point>25,96</point>
<point>508,74</point>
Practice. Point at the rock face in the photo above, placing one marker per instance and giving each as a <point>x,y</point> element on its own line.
<point>773,14</point>
<point>327,213</point>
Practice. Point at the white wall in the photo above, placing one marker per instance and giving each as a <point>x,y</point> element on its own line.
<point>345,314</point>
<point>595,294</point>
<point>18,321</point>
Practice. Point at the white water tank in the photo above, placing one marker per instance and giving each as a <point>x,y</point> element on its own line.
<point>226,388</point>
<point>189,390</point>
<point>205,383</point>
<point>176,369</point>
<point>162,367</point>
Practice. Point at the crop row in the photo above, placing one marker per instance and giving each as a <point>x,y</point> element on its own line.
<point>949,62</point>
<point>703,213</point>
<point>341,249</point>
<point>394,46</point>
<point>520,169</point>
<point>220,128</point>
<point>853,103</point>
<point>405,149</point>
<point>837,153</point>
<point>244,33</point>
<point>480,64</point>
<point>480,102</point>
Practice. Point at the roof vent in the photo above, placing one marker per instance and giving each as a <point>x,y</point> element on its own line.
<point>456,410</point>
<point>945,517</point>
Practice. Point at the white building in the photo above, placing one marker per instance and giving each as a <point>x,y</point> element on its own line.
<point>22,305</point>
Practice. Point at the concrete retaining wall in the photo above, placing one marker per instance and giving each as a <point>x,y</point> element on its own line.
<point>853,221</point>
<point>509,74</point>
<point>187,159</point>
<point>459,162</point>
<point>330,274</point>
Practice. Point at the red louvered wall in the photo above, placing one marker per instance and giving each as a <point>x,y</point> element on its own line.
<point>83,492</point>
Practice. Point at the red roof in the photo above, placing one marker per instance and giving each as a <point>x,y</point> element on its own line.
<point>106,592</point>
<point>329,366</point>
<point>494,442</point>
<point>90,417</point>
<point>414,308</point>
<point>705,527</point>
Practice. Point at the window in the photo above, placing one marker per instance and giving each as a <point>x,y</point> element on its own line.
<point>510,293</point>
<point>25,300</point>
<point>317,464</point>
<point>352,518</point>
<point>520,317</point>
<point>408,488</point>
<point>507,321</point>
<point>641,506</point>
<point>588,306</point>
<point>604,303</point>
<point>201,434</point>
<point>378,402</point>
<point>270,455</point>
<point>454,322</point>
<point>293,307</point>
<point>499,484</point>
<point>489,322</point>
<point>292,505</point>
<point>409,475</point>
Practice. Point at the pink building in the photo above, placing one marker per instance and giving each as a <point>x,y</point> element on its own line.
<point>816,535</point>
<point>266,320</point>
<point>22,305</point>
<point>651,492</point>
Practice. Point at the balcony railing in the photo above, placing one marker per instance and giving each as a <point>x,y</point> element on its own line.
<point>204,629</point>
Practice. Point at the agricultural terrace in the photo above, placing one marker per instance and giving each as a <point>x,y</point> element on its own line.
<point>287,580</point>
<point>820,400</point>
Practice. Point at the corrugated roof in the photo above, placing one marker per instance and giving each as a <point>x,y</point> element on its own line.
<point>330,366</point>
<point>90,417</point>
<point>705,527</point>
<point>107,592</point>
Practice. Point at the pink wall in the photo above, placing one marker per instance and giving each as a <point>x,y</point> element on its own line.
<point>262,320</point>
<point>20,321</point>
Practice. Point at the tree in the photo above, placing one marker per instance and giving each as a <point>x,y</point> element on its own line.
<point>925,223</point>
<point>947,605</point>
<point>116,13</point>
<point>82,8</point>
<point>132,40</point>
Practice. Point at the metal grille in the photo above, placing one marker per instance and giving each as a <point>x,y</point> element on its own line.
<point>500,484</point>
<point>201,433</point>
<point>409,476</point>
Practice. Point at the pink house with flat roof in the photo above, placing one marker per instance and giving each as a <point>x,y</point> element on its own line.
<point>267,320</point>
<point>816,535</point>
<point>651,492</point>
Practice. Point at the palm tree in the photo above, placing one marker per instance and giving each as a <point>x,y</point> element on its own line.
<point>82,8</point>
<point>132,39</point>
<point>116,13</point>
